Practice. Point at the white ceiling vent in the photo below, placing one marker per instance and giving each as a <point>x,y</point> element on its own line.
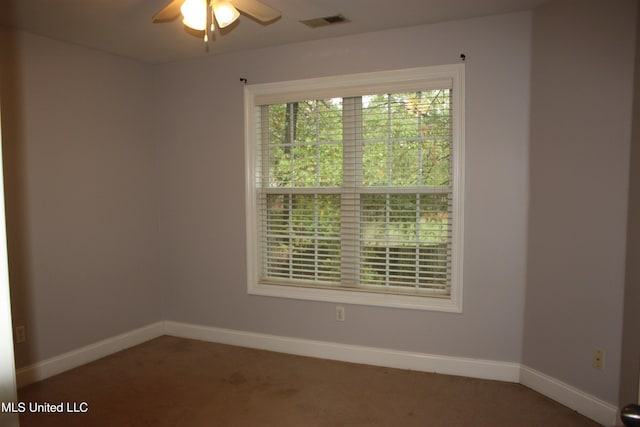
<point>325,21</point>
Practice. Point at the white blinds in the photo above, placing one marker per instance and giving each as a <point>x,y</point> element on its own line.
<point>357,192</point>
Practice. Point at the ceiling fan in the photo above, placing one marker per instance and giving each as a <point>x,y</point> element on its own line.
<point>198,14</point>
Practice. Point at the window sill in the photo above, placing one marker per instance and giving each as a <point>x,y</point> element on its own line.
<point>451,304</point>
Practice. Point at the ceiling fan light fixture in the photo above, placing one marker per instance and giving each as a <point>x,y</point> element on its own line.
<point>225,13</point>
<point>194,13</point>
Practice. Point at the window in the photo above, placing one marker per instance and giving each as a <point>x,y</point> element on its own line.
<point>354,188</point>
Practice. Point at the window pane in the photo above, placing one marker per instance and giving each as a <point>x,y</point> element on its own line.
<point>303,117</point>
<point>405,163</point>
<point>330,165</point>
<point>305,166</point>
<point>280,166</point>
<point>303,237</point>
<point>329,120</point>
<point>407,139</point>
<point>406,120</point>
<point>375,164</point>
<point>305,143</point>
<point>436,113</point>
<point>405,241</point>
<point>277,119</point>
<point>375,117</point>
<point>436,162</point>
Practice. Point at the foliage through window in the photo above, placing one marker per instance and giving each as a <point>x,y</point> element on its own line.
<point>358,193</point>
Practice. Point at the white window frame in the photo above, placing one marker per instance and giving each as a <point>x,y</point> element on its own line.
<point>343,86</point>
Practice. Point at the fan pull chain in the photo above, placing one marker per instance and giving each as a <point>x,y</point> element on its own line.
<point>211,27</point>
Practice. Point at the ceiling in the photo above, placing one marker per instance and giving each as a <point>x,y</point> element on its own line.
<point>124,27</point>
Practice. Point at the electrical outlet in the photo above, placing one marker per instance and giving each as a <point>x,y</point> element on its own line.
<point>21,334</point>
<point>339,313</point>
<point>598,359</point>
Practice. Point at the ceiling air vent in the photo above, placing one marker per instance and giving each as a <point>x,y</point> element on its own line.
<point>324,21</point>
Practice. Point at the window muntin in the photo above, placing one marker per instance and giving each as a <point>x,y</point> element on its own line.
<point>360,193</point>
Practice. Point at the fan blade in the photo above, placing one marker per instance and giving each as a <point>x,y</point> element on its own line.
<point>257,10</point>
<point>169,12</point>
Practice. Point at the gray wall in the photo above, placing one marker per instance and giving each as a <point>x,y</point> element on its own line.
<point>581,84</point>
<point>202,188</point>
<point>631,330</point>
<point>81,193</point>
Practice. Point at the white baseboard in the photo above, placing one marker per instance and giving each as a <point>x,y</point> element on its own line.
<point>475,368</point>
<point>581,402</point>
<point>72,359</point>
<point>584,403</point>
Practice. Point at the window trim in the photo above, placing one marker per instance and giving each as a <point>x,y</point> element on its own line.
<point>349,85</point>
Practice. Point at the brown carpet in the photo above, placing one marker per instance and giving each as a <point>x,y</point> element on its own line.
<point>179,382</point>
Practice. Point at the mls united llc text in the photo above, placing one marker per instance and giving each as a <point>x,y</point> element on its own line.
<point>45,407</point>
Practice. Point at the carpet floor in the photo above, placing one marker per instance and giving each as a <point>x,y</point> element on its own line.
<point>172,381</point>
